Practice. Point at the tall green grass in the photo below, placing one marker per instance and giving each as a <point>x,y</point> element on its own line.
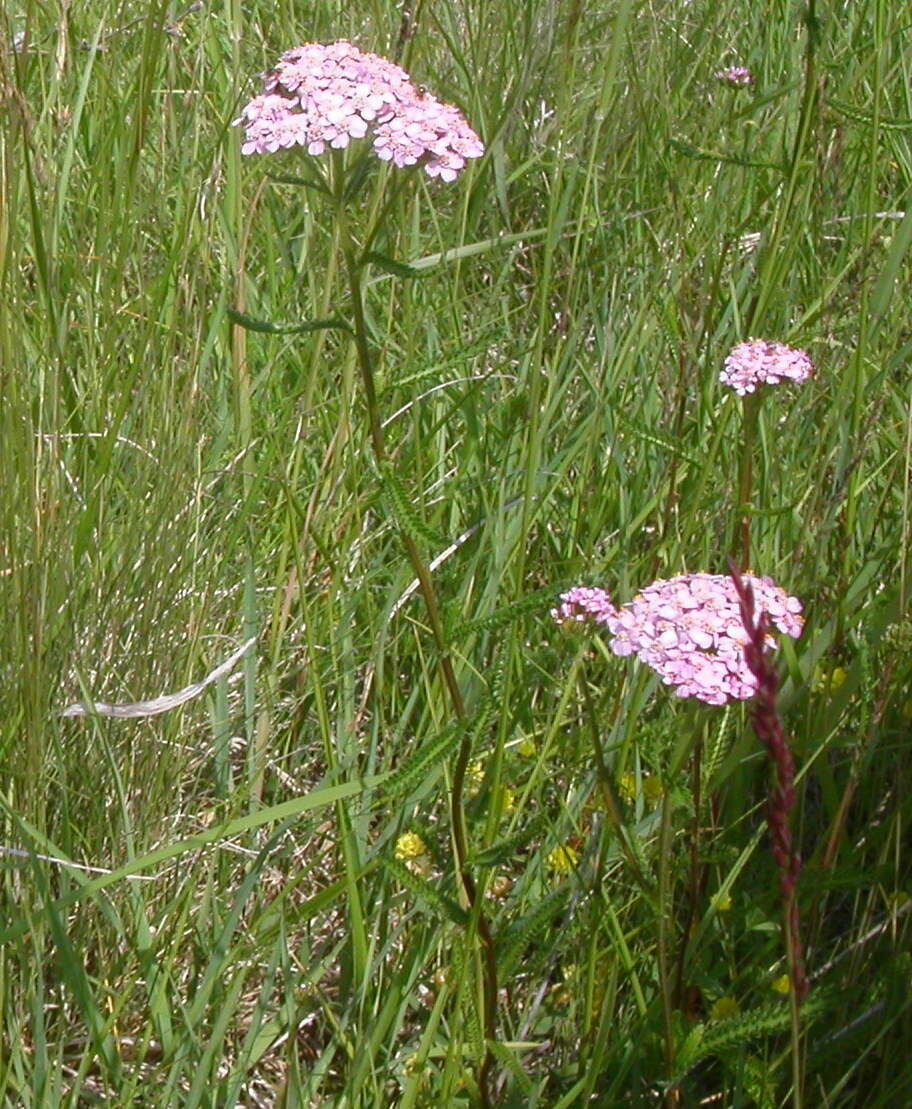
<point>173,485</point>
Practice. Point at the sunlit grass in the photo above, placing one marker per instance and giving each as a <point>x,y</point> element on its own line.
<point>173,485</point>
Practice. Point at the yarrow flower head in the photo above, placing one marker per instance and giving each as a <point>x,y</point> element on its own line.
<point>735,75</point>
<point>758,362</point>
<point>583,604</point>
<point>320,96</point>
<point>689,630</point>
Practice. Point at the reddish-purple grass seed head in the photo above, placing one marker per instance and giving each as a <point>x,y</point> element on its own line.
<point>322,96</point>
<point>758,362</point>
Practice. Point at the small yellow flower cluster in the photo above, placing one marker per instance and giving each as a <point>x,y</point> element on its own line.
<point>651,786</point>
<point>507,800</point>
<point>474,776</point>
<point>410,846</point>
<point>782,984</point>
<point>562,859</point>
<point>827,681</point>
<point>723,1008</point>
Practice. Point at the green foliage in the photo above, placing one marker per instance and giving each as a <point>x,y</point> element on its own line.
<point>200,908</point>
<point>425,892</point>
<point>267,328</point>
<point>404,511</point>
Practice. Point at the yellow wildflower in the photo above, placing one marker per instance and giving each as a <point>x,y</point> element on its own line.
<point>507,800</point>
<point>652,789</point>
<point>650,785</point>
<point>474,775</point>
<point>526,748</point>
<point>409,846</point>
<point>827,681</point>
<point>723,1008</point>
<point>627,785</point>
<point>562,859</point>
<point>560,995</point>
<point>723,902</point>
<point>782,984</point>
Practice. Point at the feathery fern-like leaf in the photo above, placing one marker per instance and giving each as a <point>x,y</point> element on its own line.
<point>516,938</point>
<point>404,509</point>
<point>445,906</point>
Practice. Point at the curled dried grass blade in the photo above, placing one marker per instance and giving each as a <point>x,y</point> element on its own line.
<point>131,709</point>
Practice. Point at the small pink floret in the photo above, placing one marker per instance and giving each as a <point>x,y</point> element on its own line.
<point>735,75</point>
<point>583,604</point>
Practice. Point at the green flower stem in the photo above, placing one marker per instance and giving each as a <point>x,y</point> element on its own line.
<point>610,800</point>
<point>769,258</point>
<point>682,751</point>
<point>354,270</point>
<point>750,416</point>
<point>696,870</point>
<point>666,842</point>
<point>794,998</point>
<point>767,263</point>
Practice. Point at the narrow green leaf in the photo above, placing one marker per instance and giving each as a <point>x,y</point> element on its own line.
<point>414,768</point>
<point>390,265</point>
<point>404,508</point>
<point>886,282</point>
<point>302,182</point>
<point>319,798</point>
<point>689,151</point>
<point>515,939</point>
<point>505,849</point>
<point>502,1053</point>
<point>249,323</point>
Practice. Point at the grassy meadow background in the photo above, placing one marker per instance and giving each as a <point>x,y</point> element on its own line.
<point>174,485</point>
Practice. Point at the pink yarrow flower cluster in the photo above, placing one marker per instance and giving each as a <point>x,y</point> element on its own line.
<point>320,96</point>
<point>583,604</point>
<point>758,362</point>
<point>688,629</point>
<point>736,75</point>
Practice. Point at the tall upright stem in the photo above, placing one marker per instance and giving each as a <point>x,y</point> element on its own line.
<point>666,840</point>
<point>750,413</point>
<point>353,268</point>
